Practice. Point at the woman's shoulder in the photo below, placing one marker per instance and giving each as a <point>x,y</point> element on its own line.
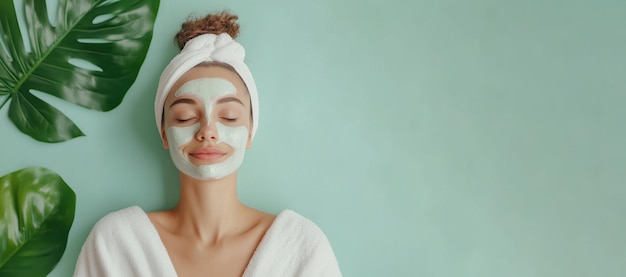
<point>292,219</point>
<point>124,218</point>
<point>294,246</point>
<point>119,227</point>
<point>297,229</point>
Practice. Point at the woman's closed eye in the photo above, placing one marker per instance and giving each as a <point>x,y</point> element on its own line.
<point>229,119</point>
<point>184,119</point>
<point>228,116</point>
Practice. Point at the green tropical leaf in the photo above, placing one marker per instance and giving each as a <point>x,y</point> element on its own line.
<point>36,214</point>
<point>90,57</point>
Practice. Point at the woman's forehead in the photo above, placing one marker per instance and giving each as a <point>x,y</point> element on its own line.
<point>205,90</point>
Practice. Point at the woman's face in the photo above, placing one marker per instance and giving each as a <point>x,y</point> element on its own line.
<point>206,122</point>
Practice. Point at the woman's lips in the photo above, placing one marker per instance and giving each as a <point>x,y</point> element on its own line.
<point>207,154</point>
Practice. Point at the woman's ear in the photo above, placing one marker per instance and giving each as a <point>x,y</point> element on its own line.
<point>164,139</point>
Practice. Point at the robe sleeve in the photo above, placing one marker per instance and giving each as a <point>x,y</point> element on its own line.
<point>124,243</point>
<point>95,257</point>
<point>319,258</point>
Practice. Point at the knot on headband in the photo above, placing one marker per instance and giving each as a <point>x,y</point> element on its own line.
<point>216,47</point>
<point>207,48</point>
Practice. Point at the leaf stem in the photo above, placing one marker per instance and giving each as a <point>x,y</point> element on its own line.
<point>5,101</point>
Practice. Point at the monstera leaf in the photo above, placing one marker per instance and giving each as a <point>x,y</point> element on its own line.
<point>36,213</point>
<point>89,56</point>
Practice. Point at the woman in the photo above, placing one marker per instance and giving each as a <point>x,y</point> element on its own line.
<point>207,112</point>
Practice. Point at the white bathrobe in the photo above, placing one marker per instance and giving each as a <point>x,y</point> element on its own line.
<point>125,243</point>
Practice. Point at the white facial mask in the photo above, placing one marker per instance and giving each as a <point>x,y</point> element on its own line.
<point>208,90</point>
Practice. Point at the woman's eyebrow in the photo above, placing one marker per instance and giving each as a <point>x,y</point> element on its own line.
<point>183,100</point>
<point>230,99</point>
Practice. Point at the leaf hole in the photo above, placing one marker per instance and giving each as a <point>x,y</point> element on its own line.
<point>84,64</point>
<point>21,22</point>
<point>102,18</point>
<point>52,6</point>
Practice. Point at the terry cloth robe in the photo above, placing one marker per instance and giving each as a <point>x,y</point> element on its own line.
<point>126,243</point>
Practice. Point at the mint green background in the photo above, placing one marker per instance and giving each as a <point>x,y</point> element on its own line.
<point>426,138</point>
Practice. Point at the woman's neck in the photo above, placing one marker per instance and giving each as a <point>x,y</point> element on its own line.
<point>208,210</point>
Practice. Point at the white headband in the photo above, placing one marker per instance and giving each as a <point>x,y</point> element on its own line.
<point>207,48</point>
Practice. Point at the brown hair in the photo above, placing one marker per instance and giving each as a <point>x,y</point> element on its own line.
<point>214,23</point>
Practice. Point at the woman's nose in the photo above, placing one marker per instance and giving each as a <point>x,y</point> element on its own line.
<point>207,131</point>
